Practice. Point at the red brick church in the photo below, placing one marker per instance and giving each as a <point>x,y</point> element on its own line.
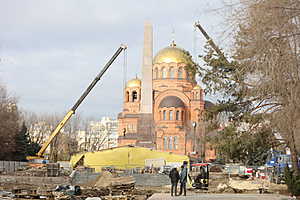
<point>164,109</point>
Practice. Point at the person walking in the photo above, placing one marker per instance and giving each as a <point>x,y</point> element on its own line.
<point>183,178</point>
<point>174,176</point>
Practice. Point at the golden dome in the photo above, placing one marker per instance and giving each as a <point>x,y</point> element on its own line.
<point>197,87</point>
<point>171,54</point>
<point>134,83</point>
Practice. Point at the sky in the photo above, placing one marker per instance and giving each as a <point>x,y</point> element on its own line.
<point>51,50</point>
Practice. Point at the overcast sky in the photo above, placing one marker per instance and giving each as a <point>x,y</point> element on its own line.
<point>51,50</point>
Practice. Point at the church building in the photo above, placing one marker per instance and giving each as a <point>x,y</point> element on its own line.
<point>164,109</point>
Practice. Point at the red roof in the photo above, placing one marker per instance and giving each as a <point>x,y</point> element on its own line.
<point>199,164</point>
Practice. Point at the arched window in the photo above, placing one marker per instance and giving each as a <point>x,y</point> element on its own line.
<point>126,96</point>
<point>134,96</point>
<point>180,72</point>
<point>177,115</point>
<point>171,115</point>
<point>182,115</point>
<point>171,72</point>
<point>156,73</point>
<point>170,143</point>
<point>165,143</point>
<point>201,95</point>
<point>187,75</point>
<point>129,129</point>
<point>163,72</point>
<point>164,115</point>
<point>176,142</point>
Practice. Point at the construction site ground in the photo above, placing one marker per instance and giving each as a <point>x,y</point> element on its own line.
<point>203,196</point>
<point>30,184</point>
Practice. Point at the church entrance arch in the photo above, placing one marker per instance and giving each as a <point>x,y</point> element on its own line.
<point>166,93</point>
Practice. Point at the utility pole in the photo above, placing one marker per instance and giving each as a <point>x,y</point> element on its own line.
<point>185,139</point>
<point>194,124</point>
<point>204,143</point>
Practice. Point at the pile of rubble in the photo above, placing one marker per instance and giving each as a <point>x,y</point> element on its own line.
<point>107,186</point>
<point>31,171</point>
<point>245,186</point>
<point>116,184</point>
<point>26,192</point>
<point>41,170</point>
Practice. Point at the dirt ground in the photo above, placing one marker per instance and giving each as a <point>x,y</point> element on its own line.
<point>115,187</point>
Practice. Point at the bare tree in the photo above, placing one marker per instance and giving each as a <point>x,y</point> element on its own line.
<point>41,127</point>
<point>9,124</point>
<point>96,135</point>
<point>268,47</point>
<point>261,82</point>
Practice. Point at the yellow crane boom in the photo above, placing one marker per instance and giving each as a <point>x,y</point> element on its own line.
<point>69,114</point>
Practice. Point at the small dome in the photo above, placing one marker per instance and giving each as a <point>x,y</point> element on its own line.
<point>171,54</point>
<point>197,87</point>
<point>134,83</point>
<point>171,101</point>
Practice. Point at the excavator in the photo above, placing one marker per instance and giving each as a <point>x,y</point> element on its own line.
<point>40,155</point>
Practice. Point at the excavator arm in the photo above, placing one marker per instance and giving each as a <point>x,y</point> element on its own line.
<point>71,112</point>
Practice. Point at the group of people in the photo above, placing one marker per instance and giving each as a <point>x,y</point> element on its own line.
<point>175,177</point>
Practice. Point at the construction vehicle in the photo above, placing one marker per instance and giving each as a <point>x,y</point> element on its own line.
<point>40,155</point>
<point>276,162</point>
<point>211,42</point>
<point>200,175</point>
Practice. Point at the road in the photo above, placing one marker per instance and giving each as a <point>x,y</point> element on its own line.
<point>167,196</point>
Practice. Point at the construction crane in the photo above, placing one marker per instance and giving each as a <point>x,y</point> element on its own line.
<point>218,50</point>
<point>211,42</point>
<point>61,124</point>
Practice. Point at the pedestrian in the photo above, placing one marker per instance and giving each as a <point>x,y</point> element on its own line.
<point>174,176</point>
<point>183,178</point>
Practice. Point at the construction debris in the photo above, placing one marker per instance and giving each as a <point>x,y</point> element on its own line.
<point>41,182</point>
<point>45,170</point>
<point>116,185</point>
<point>6,195</point>
<point>93,198</point>
<point>68,189</point>
<point>31,193</point>
<point>248,184</point>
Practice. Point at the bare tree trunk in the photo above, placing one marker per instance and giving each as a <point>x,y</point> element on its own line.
<point>294,154</point>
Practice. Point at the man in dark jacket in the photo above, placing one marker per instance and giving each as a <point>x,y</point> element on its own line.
<point>174,176</point>
<point>183,178</point>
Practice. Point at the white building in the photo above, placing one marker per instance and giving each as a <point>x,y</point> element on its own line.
<point>99,135</point>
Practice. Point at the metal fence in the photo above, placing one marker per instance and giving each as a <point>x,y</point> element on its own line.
<point>11,166</point>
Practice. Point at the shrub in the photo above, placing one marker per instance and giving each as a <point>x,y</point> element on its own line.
<point>292,181</point>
